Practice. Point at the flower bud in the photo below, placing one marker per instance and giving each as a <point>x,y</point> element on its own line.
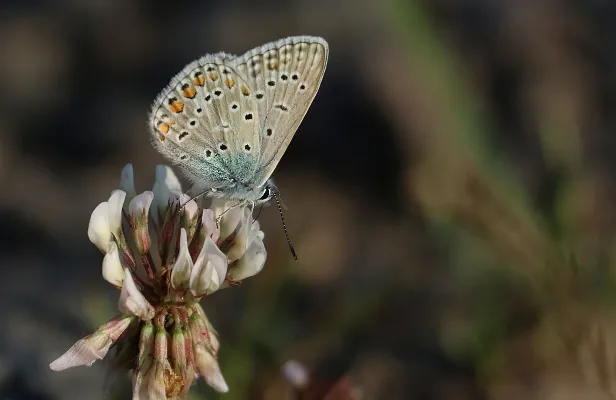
<point>160,340</point>
<point>178,351</point>
<point>180,274</point>
<point>146,343</point>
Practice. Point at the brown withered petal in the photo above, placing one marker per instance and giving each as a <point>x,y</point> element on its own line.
<point>92,347</point>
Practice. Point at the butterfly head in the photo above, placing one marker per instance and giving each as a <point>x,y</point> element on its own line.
<point>244,192</point>
<point>267,192</point>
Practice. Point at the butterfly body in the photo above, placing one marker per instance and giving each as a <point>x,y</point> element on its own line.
<point>226,121</point>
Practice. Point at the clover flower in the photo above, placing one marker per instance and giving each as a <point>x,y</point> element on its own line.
<point>164,252</point>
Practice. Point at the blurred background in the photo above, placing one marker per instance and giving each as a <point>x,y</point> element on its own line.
<point>450,195</point>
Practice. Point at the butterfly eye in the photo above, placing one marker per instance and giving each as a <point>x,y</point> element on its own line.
<point>267,194</point>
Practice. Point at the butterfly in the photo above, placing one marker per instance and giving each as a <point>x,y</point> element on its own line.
<point>227,120</point>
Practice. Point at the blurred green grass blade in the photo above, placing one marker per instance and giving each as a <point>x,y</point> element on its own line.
<point>462,176</point>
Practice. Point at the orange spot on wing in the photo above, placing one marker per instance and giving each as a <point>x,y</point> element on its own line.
<point>161,137</point>
<point>200,80</point>
<point>164,128</point>
<point>190,92</point>
<point>229,82</point>
<point>245,91</point>
<point>177,107</point>
<point>272,65</point>
<point>213,76</point>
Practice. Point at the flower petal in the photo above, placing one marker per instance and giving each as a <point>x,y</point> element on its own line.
<point>251,263</point>
<point>140,204</point>
<point>132,301</point>
<point>156,383</point>
<point>189,206</point>
<point>208,368</point>
<point>255,230</point>
<point>209,227</point>
<point>138,210</point>
<point>202,330</point>
<point>153,384</point>
<point>127,181</point>
<point>180,274</point>
<point>144,360</point>
<point>229,215</point>
<point>112,267</point>
<point>99,232</point>
<point>116,203</point>
<point>213,334</point>
<point>166,188</point>
<point>92,347</point>
<point>189,214</point>
<point>240,242</point>
<point>209,270</point>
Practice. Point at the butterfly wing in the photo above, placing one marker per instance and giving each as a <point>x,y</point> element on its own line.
<point>226,120</point>
<point>205,121</point>
<point>285,76</point>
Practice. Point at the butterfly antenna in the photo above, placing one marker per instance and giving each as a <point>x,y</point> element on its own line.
<point>219,218</point>
<point>284,226</point>
<point>194,197</point>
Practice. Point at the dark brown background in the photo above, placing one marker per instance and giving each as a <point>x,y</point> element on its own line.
<point>449,183</point>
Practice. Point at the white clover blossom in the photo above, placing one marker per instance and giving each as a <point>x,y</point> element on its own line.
<point>164,253</point>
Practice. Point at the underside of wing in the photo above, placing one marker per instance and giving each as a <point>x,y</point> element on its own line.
<point>285,76</point>
<point>206,122</point>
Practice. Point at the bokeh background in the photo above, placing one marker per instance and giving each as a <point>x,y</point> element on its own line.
<point>450,195</point>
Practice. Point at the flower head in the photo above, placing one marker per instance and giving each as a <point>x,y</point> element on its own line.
<point>164,253</point>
